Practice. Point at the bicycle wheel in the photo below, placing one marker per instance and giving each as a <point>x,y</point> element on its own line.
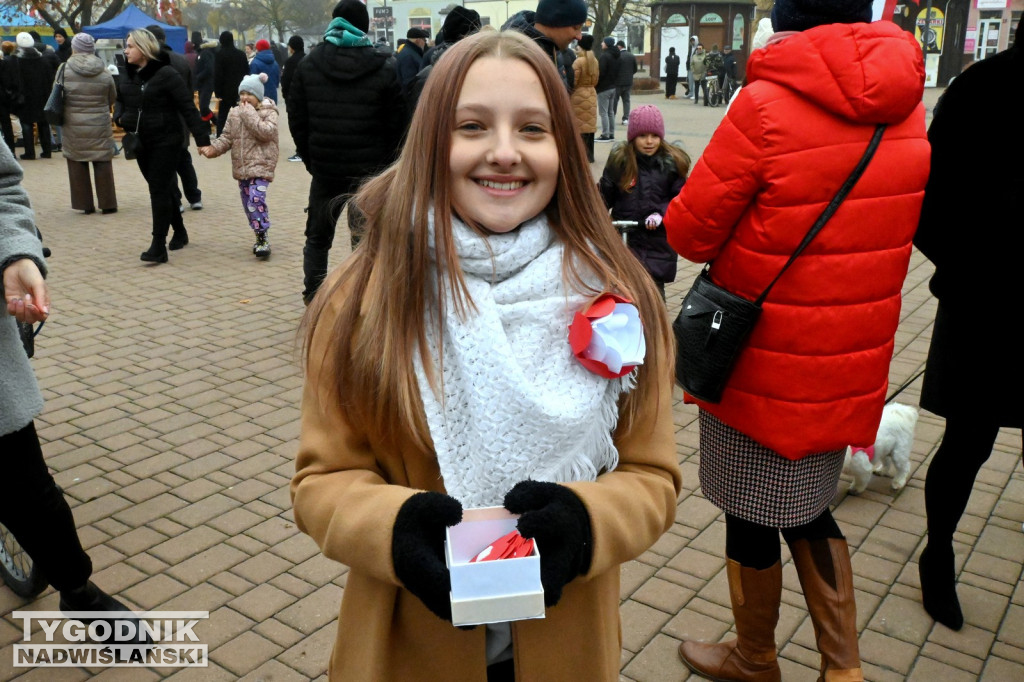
<point>17,568</point>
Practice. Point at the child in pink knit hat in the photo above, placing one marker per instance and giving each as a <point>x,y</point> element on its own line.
<point>640,178</point>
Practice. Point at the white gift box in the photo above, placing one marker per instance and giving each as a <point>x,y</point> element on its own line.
<point>493,591</point>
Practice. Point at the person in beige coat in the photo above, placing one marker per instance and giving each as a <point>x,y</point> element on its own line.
<point>417,406</point>
<point>584,95</point>
<point>250,132</point>
<point>88,136</point>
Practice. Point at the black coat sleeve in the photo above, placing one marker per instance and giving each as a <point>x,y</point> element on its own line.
<point>184,102</point>
<point>400,115</point>
<point>298,116</point>
<point>608,185</point>
<point>220,69</point>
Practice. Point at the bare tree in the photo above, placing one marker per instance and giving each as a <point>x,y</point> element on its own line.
<point>309,15</point>
<point>237,15</point>
<point>73,13</point>
<point>285,16</point>
<point>197,17</point>
<point>608,13</point>
<point>272,14</point>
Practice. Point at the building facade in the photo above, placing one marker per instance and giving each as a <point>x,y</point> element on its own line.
<point>959,33</point>
<point>391,19</point>
<point>713,22</point>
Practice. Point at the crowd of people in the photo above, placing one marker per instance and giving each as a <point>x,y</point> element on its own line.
<point>413,413</point>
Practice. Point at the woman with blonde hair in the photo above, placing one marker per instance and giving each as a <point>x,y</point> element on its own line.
<point>439,376</point>
<point>584,95</point>
<point>154,99</point>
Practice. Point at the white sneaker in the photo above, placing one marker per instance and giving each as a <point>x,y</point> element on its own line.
<point>295,157</point>
<point>196,206</point>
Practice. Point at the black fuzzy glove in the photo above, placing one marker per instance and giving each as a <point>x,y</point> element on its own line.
<point>417,548</point>
<point>555,517</point>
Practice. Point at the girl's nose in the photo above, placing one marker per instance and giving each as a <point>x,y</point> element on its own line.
<point>504,151</point>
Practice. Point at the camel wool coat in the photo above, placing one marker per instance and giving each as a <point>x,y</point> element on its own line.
<point>348,489</point>
<point>584,96</point>
<point>89,92</point>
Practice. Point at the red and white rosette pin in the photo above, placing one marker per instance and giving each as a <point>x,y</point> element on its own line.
<point>608,338</point>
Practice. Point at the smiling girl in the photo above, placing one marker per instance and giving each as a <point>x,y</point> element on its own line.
<point>439,376</point>
<point>640,178</point>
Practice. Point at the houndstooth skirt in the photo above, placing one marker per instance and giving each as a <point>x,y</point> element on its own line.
<point>744,478</point>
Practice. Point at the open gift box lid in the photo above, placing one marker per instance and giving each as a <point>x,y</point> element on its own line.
<point>490,591</point>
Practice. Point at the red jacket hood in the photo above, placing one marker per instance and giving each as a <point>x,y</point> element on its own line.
<point>867,73</point>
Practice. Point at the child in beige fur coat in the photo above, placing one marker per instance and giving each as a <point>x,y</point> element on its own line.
<point>251,134</point>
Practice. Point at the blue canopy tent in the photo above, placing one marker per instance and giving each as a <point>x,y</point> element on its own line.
<point>13,22</point>
<point>132,18</point>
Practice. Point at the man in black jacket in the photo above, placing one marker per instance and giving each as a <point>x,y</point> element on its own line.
<point>624,80</point>
<point>554,26</point>
<point>410,57</point>
<point>459,23</point>
<point>347,115</point>
<point>296,51</point>
<point>671,73</point>
<point>186,171</point>
<point>607,76</point>
<point>229,68</point>
<point>206,54</point>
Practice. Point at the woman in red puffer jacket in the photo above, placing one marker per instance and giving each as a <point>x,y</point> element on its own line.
<point>813,376</point>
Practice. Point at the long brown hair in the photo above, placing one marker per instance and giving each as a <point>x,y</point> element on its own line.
<point>623,156</point>
<point>589,65</point>
<point>384,292</point>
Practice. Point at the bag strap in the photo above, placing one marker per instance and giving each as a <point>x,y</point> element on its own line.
<point>831,208</point>
<point>138,120</point>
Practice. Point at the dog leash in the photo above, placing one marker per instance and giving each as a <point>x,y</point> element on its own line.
<point>903,387</point>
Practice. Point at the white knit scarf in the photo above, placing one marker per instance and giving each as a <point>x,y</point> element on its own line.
<point>517,405</point>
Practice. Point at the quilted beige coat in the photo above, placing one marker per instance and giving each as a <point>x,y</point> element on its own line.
<point>251,135</point>
<point>584,97</point>
<point>89,92</point>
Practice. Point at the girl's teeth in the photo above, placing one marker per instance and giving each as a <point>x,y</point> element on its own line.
<point>501,185</point>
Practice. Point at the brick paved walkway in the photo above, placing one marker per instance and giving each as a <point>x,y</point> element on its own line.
<point>171,422</point>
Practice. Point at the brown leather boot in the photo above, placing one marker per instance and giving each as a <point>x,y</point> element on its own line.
<point>826,576</point>
<point>755,597</point>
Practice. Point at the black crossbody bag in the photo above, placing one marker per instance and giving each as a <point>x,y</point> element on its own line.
<point>714,324</point>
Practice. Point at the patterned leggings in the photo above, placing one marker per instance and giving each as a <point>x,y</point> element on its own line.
<point>254,201</point>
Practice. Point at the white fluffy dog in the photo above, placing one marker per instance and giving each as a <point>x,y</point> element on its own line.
<point>891,450</point>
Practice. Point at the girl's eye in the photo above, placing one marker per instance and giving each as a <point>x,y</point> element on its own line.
<point>534,129</point>
<point>469,126</point>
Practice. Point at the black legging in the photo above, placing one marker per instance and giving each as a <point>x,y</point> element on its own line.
<point>34,509</point>
<point>966,446</point>
<point>755,546</point>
